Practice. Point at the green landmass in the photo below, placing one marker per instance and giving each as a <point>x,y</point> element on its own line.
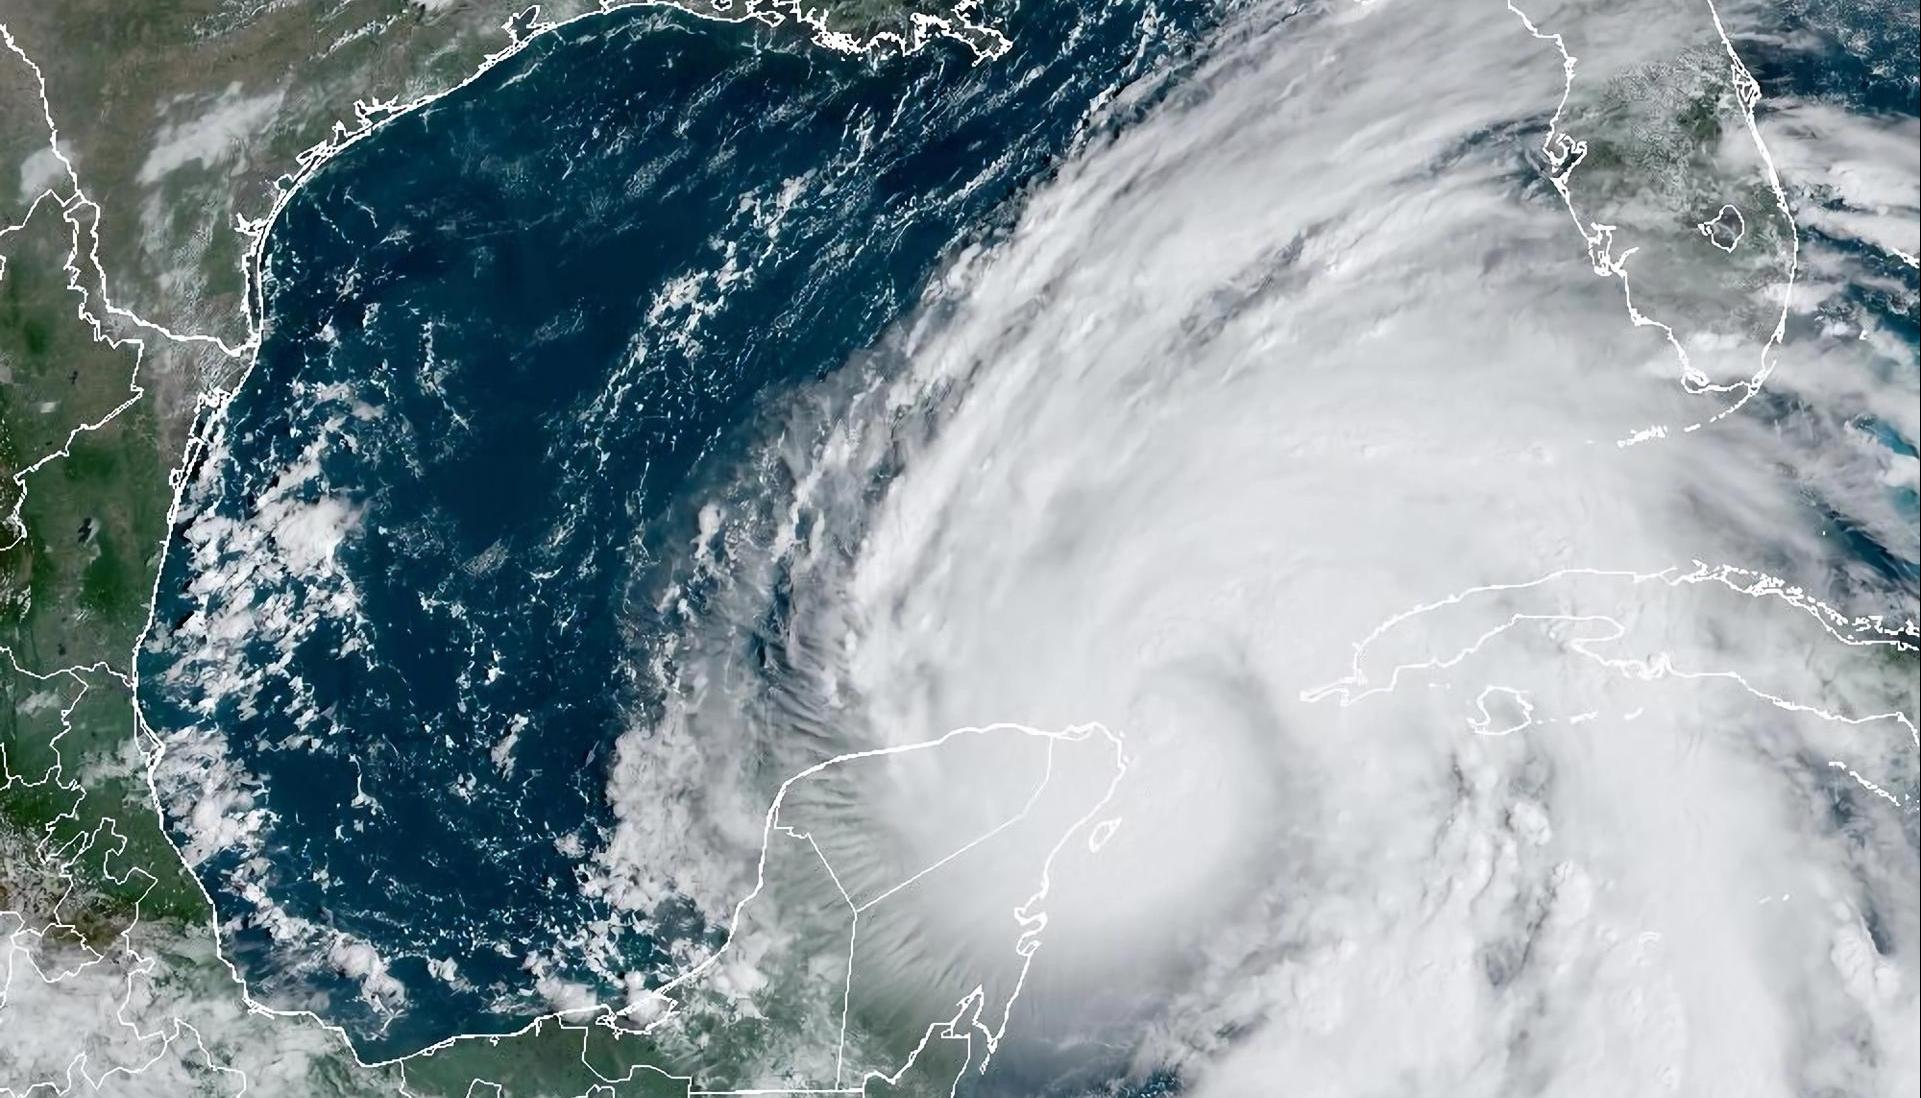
<point>550,1058</point>
<point>181,117</point>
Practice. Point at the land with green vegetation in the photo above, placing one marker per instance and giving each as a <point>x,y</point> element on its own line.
<point>183,115</point>
<point>180,123</point>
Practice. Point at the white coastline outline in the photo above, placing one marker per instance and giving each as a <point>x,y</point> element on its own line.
<point>371,115</point>
<point>1564,153</point>
<point>1706,228</point>
<point>1860,631</point>
<point>985,42</point>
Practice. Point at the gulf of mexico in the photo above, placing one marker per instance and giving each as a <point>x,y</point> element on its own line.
<point>500,335</point>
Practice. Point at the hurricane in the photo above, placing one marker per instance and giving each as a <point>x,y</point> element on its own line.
<point>1376,554</point>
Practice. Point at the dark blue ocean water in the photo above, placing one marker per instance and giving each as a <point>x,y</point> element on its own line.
<point>1865,57</point>
<point>505,332</point>
<point>509,333</point>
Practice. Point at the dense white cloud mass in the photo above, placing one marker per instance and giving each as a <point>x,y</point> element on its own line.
<point>1313,344</point>
<point>1393,574</point>
<point>153,1016</point>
